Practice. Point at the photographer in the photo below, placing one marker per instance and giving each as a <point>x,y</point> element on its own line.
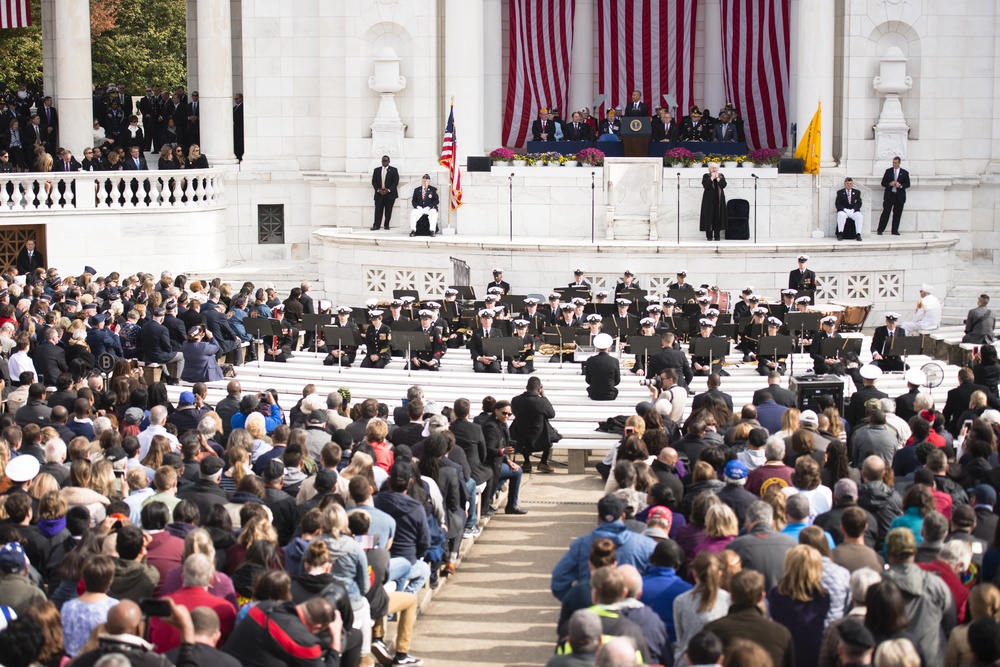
<point>199,350</point>
<point>664,387</point>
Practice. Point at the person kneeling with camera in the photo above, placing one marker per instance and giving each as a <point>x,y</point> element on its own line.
<point>664,387</point>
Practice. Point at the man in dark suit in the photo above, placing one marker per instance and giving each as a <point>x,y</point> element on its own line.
<point>896,181</point>
<point>958,399</point>
<point>146,108</point>
<point>385,179</point>
<point>532,412</point>
<point>637,107</point>
<point>904,402</point>
<point>882,344</point>
<point>725,130</point>
<point>425,201</point>
<point>156,345</point>
<point>603,372</point>
<point>663,127</point>
<point>980,322</point>
<point>543,128</point>
<point>848,205</point>
<point>50,122</point>
<point>222,331</point>
<point>714,382</point>
<point>669,357</point>
<point>50,358</point>
<point>29,259</point>
<point>577,130</point>
<point>135,161</point>
<point>779,394</point>
<point>66,161</point>
<point>175,326</point>
<point>481,362</point>
<point>802,279</point>
<point>238,126</point>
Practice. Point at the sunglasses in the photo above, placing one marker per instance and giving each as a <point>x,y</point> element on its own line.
<point>508,414</point>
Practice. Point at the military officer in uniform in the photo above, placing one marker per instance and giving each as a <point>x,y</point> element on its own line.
<point>823,364</point>
<point>377,338</point>
<point>481,362</point>
<point>536,319</point>
<point>624,321</point>
<point>429,360</point>
<point>554,308</point>
<point>682,284</point>
<point>703,366</point>
<point>345,355</point>
<point>802,279</point>
<point>752,333</point>
<point>882,344</point>
<point>627,283</point>
<point>767,362</point>
<point>524,362</point>
<point>578,281</point>
<point>743,307</point>
<point>603,372</point>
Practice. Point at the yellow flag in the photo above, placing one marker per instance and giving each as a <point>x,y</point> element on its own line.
<point>808,148</point>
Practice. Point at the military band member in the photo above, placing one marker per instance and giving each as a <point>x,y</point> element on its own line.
<point>704,305</point>
<point>568,319</point>
<point>453,315</point>
<point>802,279</point>
<point>498,281</point>
<point>682,284</point>
<point>600,297</point>
<point>396,313</point>
<point>554,308</point>
<point>654,311</point>
<point>579,303</point>
<point>743,307</point>
<point>594,324</point>
<point>524,362</point>
<point>493,290</point>
<point>767,362</point>
<point>669,356</point>
<point>603,372</point>
<point>822,364</point>
<point>536,319</point>
<point>627,283</point>
<point>668,319</point>
<point>578,281</point>
<point>345,355</point>
<point>787,303</point>
<point>481,362</point>
<point>377,338</point>
<point>624,321</point>
<point>882,344</point>
<point>703,366</point>
<point>752,333</point>
<point>429,360</point>
<point>279,347</point>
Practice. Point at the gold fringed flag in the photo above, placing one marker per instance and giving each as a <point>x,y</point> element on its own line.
<point>808,148</point>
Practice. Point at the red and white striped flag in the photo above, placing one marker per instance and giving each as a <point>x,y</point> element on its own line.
<point>755,66</point>
<point>449,158</point>
<point>649,45</point>
<point>15,13</point>
<point>541,50</point>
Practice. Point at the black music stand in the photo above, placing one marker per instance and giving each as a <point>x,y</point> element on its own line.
<point>802,322</point>
<point>404,326</point>
<point>360,317</point>
<point>343,336</point>
<point>904,346</point>
<point>713,348</point>
<point>559,333</point>
<point>465,292</point>
<point>400,293</point>
<point>726,330</point>
<point>316,321</point>
<point>775,346</point>
<point>259,327</point>
<point>644,347</point>
<point>410,342</point>
<point>503,349</point>
<point>839,348</point>
<point>570,293</point>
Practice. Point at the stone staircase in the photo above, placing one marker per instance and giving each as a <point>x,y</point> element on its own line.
<point>968,282</point>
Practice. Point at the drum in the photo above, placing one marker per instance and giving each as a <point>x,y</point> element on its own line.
<point>827,309</point>
<point>720,298</point>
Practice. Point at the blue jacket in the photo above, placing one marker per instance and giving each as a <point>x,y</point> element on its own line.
<point>413,536</point>
<point>200,364</point>
<point>769,416</point>
<point>239,419</point>
<point>660,586</point>
<point>631,548</point>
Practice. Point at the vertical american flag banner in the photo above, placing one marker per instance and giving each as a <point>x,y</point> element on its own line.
<point>541,50</point>
<point>755,45</point>
<point>646,45</point>
<point>449,158</point>
<point>15,13</point>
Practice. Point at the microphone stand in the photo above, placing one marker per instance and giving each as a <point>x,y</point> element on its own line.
<point>678,208</point>
<point>510,204</point>
<point>593,206</point>
<point>755,179</point>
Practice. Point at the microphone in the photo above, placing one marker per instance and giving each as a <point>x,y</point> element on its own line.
<point>511,175</point>
<point>754,176</point>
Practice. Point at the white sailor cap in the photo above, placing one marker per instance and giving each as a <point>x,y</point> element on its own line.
<point>579,301</point>
<point>802,299</point>
<point>433,304</point>
<point>803,258</point>
<point>759,310</point>
<point>371,303</point>
<point>628,272</point>
<point>623,302</point>
<point>774,322</point>
<point>788,292</point>
<point>647,321</point>
<point>521,324</point>
<point>396,303</point>
<point>753,298</point>
<point>712,312</point>
<point>705,322</point>
<point>916,377</point>
<point>486,312</point>
<point>603,341</point>
<point>870,372</point>
<point>594,318</point>
<point>22,468</point>
<point>578,272</point>
<point>654,308</point>
<point>829,319</point>
<point>892,317</point>
<point>344,310</point>
<point>374,313</point>
<point>566,307</point>
<point>555,296</point>
<point>493,298</point>
<point>407,300</point>
<point>748,290</point>
<point>601,295</point>
<point>497,269</point>
<point>670,301</point>
<point>531,301</point>
<point>451,291</point>
<point>703,299</point>
<point>426,314</point>
<point>682,274</point>
<point>495,289</point>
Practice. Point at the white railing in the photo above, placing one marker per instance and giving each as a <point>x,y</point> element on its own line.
<point>110,190</point>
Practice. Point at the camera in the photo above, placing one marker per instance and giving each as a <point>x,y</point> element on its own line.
<point>650,382</point>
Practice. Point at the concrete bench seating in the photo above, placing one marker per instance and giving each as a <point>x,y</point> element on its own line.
<point>946,344</point>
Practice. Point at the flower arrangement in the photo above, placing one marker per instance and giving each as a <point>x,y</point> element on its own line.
<point>591,157</point>
<point>503,155</point>
<point>675,155</point>
<point>552,157</point>
<point>565,159</point>
<point>531,159</point>
<point>765,156</point>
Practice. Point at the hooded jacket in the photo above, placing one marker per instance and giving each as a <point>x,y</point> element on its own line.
<point>930,607</point>
<point>882,501</point>
<point>631,549</point>
<point>133,581</point>
<point>92,500</point>
<point>413,535</point>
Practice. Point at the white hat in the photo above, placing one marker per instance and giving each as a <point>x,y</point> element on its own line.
<point>623,302</point>
<point>647,321</point>
<point>803,258</point>
<point>712,312</point>
<point>374,313</point>
<point>497,269</point>
<point>669,301</point>
<point>554,295</point>
<point>486,312</point>
<point>23,468</point>
<point>426,313</point>
<point>407,299</point>
<point>927,288</point>
<point>809,417</point>
<point>870,372</point>
<point>579,301</point>
<point>705,322</point>
<point>892,316</point>
<point>496,289</point>
<point>371,303</point>
<point>829,319</point>
<point>916,377</point>
<point>802,299</point>
<point>759,310</point>
<point>602,341</point>
<point>594,317</point>
<point>774,322</point>
<point>433,304</point>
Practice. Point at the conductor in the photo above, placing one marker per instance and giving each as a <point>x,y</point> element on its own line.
<point>425,202</point>
<point>603,371</point>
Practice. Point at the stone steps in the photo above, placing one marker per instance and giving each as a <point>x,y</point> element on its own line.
<point>968,282</point>
<point>282,274</point>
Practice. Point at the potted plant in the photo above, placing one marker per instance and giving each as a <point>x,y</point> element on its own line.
<point>677,157</point>
<point>729,161</point>
<point>765,157</point>
<point>591,157</point>
<point>503,156</point>
<point>552,158</point>
<point>568,161</point>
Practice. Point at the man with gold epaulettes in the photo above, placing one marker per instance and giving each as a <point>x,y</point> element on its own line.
<point>345,355</point>
<point>524,362</point>
<point>767,362</point>
<point>377,339</point>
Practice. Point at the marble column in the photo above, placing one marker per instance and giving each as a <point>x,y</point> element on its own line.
<point>582,86</point>
<point>814,71</point>
<point>215,81</point>
<point>715,85</point>
<point>465,74</point>
<point>493,102</point>
<point>73,75</point>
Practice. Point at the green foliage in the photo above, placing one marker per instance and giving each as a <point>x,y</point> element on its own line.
<point>146,45</point>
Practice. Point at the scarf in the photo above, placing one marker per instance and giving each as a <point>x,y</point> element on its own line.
<point>51,527</point>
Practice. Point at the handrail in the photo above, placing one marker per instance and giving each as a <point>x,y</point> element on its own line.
<point>34,192</point>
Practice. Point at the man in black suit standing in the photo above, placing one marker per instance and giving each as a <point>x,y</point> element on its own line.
<point>50,122</point>
<point>637,107</point>
<point>848,205</point>
<point>425,201</point>
<point>238,126</point>
<point>50,358</point>
<point>544,128</point>
<point>882,344</point>
<point>779,394</point>
<point>577,130</point>
<point>481,362</point>
<point>29,259</point>
<point>896,181</point>
<point>802,279</point>
<point>385,179</point>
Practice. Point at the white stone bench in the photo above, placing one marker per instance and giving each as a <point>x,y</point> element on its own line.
<point>579,451</point>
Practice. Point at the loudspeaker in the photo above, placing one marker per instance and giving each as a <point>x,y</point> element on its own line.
<point>479,163</point>
<point>791,165</point>
<point>808,389</point>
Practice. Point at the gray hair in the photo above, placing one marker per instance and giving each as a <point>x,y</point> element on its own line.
<point>414,392</point>
<point>198,570</point>
<point>206,427</point>
<point>923,401</point>
<point>957,552</point>
<point>55,451</point>
<point>760,512</point>
<point>437,423</point>
<point>101,424</point>
<point>861,580</point>
<point>334,400</point>
<point>797,507</point>
<point>113,660</point>
<point>312,402</point>
<point>774,448</point>
<point>888,406</point>
<point>935,527</point>
<point>157,415</point>
<point>214,294</point>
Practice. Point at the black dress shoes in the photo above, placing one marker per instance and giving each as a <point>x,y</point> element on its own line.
<point>858,237</point>
<point>840,237</point>
<point>896,234</point>
<point>386,227</point>
<point>375,228</point>
<point>413,234</point>
<point>516,509</point>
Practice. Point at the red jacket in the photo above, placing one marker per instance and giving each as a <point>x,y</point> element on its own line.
<point>164,552</point>
<point>167,637</point>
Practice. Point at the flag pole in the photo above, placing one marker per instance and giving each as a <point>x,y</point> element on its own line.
<point>454,158</point>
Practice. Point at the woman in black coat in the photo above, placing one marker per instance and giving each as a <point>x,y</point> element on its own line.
<point>433,466</point>
<point>713,203</point>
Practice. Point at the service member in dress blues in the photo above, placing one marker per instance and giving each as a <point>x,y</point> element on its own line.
<point>524,362</point>
<point>346,354</point>
<point>377,339</point>
<point>498,281</point>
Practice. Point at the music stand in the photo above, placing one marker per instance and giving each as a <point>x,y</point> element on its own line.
<point>465,292</point>
<point>410,342</point>
<point>560,333</point>
<point>726,330</point>
<point>904,346</point>
<point>502,348</point>
<point>258,327</point>
<point>713,348</point>
<point>344,336</point>
<point>400,293</point>
<point>644,346</point>
<point>775,346</point>
<point>839,348</point>
<point>360,316</point>
<point>681,296</point>
<point>404,326</point>
<point>803,321</point>
<point>316,321</point>
<point>570,293</point>
<point>775,309</point>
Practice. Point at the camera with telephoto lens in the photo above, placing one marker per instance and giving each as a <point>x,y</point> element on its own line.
<point>650,382</point>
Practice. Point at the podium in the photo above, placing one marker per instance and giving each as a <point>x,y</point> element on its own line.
<point>636,131</point>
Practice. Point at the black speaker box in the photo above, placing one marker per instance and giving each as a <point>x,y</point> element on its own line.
<point>808,389</point>
<point>791,165</point>
<point>479,163</point>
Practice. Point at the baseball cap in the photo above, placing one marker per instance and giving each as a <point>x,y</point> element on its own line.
<point>12,557</point>
<point>134,416</point>
<point>326,480</point>
<point>274,470</point>
<point>809,417</point>
<point>318,417</point>
<point>186,398</point>
<point>660,512</point>
<point>984,494</point>
<point>211,465</point>
<point>736,471</point>
<point>854,633</point>
<point>610,508</point>
<point>900,543</point>
<point>844,489</point>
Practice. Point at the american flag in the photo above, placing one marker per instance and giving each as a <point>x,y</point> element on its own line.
<point>648,45</point>
<point>541,51</point>
<point>755,66</point>
<point>449,158</point>
<point>15,13</point>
